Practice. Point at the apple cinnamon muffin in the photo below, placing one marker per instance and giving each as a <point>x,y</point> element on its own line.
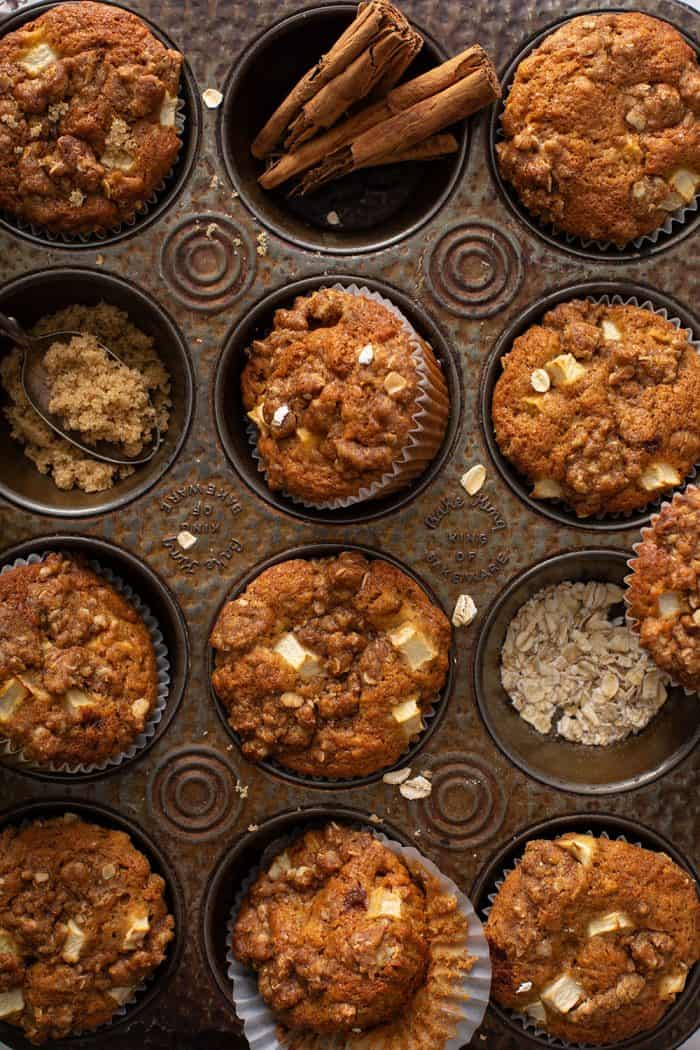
<point>664,589</point>
<point>602,127</point>
<point>78,677</point>
<point>347,404</point>
<point>88,101</point>
<point>593,939</point>
<point>599,406</point>
<point>336,930</point>
<point>83,922</point>
<point>329,665</point>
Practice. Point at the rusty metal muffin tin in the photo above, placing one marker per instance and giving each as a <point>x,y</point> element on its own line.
<point>465,265</point>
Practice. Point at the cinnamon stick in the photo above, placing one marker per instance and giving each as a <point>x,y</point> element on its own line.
<point>407,128</point>
<point>374,17</point>
<point>398,100</point>
<point>432,149</point>
<point>391,51</point>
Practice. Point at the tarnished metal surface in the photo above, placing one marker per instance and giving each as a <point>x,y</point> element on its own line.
<point>472,268</point>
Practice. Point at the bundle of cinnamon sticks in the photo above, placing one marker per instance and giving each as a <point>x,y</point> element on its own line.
<point>397,123</point>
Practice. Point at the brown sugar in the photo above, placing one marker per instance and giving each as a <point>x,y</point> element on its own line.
<point>101,398</point>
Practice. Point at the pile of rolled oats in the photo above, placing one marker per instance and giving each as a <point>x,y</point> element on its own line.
<point>567,664</point>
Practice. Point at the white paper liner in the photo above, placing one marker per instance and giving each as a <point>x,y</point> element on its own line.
<point>675,218</point>
<point>127,224</point>
<point>647,533</point>
<point>468,1003</point>
<point>424,419</point>
<point>162,673</point>
<point>526,1022</point>
<point>646,304</point>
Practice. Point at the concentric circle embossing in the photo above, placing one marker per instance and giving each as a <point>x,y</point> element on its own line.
<point>208,261</point>
<point>475,269</point>
<point>194,790</point>
<point>467,804</point>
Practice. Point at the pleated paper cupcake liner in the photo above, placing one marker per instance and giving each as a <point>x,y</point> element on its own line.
<point>162,672</point>
<point>141,211</point>
<point>528,1025</point>
<point>647,533</point>
<point>429,420</point>
<point>646,304</point>
<point>455,1005</point>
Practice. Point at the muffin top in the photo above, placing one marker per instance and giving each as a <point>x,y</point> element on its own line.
<point>593,938</point>
<point>602,127</point>
<point>336,929</point>
<point>664,589</point>
<point>87,117</point>
<point>599,406</point>
<point>83,921</point>
<point>327,665</point>
<point>333,393</point>
<point>78,676</point>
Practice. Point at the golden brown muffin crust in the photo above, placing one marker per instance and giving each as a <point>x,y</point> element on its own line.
<point>375,644</point>
<point>329,424</point>
<point>602,127</point>
<point>336,929</point>
<point>664,589</point>
<point>83,922</point>
<point>622,428</point>
<point>87,117</point>
<point>621,922</point>
<point>78,677</point>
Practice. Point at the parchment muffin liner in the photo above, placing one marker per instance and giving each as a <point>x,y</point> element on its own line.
<point>140,212</point>
<point>675,218</point>
<point>424,438</point>
<point>162,674</point>
<point>646,304</point>
<point>463,1001</point>
<point>647,533</point>
<point>523,1020</point>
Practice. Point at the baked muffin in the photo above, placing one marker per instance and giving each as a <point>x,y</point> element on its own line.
<point>83,922</point>
<point>336,930</point>
<point>599,406</point>
<point>593,939</point>
<point>328,665</point>
<point>664,589</point>
<point>78,677</point>
<point>602,127</point>
<point>343,410</point>
<point>87,117</point>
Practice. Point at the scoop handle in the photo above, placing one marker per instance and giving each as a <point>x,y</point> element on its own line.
<point>14,331</point>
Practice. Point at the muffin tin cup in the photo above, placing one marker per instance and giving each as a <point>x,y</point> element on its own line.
<point>166,628</point>
<point>677,1024</point>
<point>432,716</point>
<point>428,424</point>
<point>40,294</point>
<point>374,208</point>
<point>641,758</point>
<point>678,497</point>
<point>187,123</point>
<point>465,1002</point>
<point>237,437</point>
<point>138,1008</point>
<point>610,293</point>
<point>678,224</point>
<point>160,653</point>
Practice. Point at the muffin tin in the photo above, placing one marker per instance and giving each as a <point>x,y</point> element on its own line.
<point>202,272</point>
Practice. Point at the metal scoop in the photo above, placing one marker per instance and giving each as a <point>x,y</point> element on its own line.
<point>38,391</point>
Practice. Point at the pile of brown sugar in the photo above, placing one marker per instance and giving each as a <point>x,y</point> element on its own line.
<point>92,393</point>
